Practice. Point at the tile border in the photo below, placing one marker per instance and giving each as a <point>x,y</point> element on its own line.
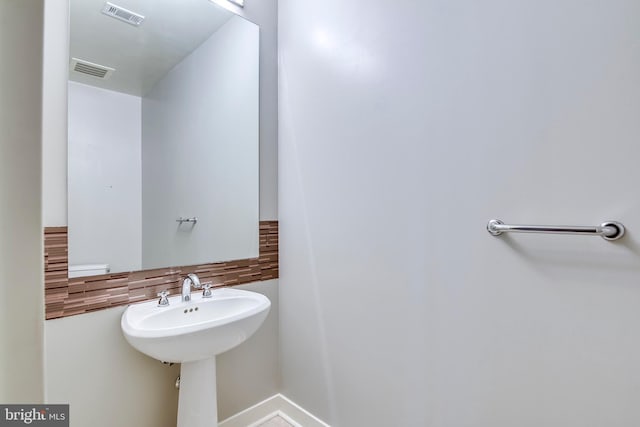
<point>68,297</point>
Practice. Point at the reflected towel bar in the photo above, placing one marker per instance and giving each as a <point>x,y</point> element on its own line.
<point>193,220</point>
<point>610,230</point>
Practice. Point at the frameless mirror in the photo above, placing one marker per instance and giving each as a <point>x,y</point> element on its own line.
<point>163,135</point>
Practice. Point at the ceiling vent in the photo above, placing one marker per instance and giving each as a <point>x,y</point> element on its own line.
<point>122,14</point>
<point>91,69</point>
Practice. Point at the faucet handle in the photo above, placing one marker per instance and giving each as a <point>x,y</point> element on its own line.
<point>206,290</point>
<point>164,300</point>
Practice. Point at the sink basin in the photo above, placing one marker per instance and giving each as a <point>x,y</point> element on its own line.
<point>193,333</point>
<point>194,330</point>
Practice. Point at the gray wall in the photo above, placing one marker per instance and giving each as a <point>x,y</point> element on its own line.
<point>265,14</point>
<point>105,178</point>
<point>200,153</point>
<point>21,277</point>
<point>404,127</point>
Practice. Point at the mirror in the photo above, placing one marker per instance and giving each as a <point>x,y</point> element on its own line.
<point>163,135</point>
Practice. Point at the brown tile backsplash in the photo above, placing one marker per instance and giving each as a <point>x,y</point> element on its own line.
<point>68,297</point>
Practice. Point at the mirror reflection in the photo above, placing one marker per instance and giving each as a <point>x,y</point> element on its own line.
<point>163,135</point>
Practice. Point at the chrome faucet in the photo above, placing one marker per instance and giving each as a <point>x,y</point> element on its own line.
<point>191,279</point>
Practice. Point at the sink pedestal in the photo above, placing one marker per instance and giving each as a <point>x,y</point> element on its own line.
<point>197,401</point>
<point>194,332</point>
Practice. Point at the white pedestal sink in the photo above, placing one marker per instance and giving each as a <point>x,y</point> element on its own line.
<point>193,333</point>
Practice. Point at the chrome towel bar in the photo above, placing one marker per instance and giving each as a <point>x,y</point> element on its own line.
<point>610,230</point>
<point>182,220</point>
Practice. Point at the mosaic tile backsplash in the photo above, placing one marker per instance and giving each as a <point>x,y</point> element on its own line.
<point>68,297</point>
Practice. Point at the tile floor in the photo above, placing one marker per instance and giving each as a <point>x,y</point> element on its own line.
<point>276,422</point>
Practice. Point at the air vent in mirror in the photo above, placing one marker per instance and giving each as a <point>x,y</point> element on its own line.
<point>122,14</point>
<point>91,69</point>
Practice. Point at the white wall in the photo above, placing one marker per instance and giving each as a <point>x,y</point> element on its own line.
<point>250,373</point>
<point>108,383</point>
<point>54,113</point>
<point>21,260</point>
<point>404,127</point>
<point>200,126</point>
<point>105,178</point>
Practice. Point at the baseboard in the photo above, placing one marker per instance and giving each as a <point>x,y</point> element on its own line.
<point>278,404</point>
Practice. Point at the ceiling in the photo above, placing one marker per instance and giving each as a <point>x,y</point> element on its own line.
<point>142,55</point>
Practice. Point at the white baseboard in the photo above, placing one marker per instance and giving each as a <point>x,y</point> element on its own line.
<point>271,407</point>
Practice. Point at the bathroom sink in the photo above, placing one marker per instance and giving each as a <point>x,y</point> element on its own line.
<point>195,330</point>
